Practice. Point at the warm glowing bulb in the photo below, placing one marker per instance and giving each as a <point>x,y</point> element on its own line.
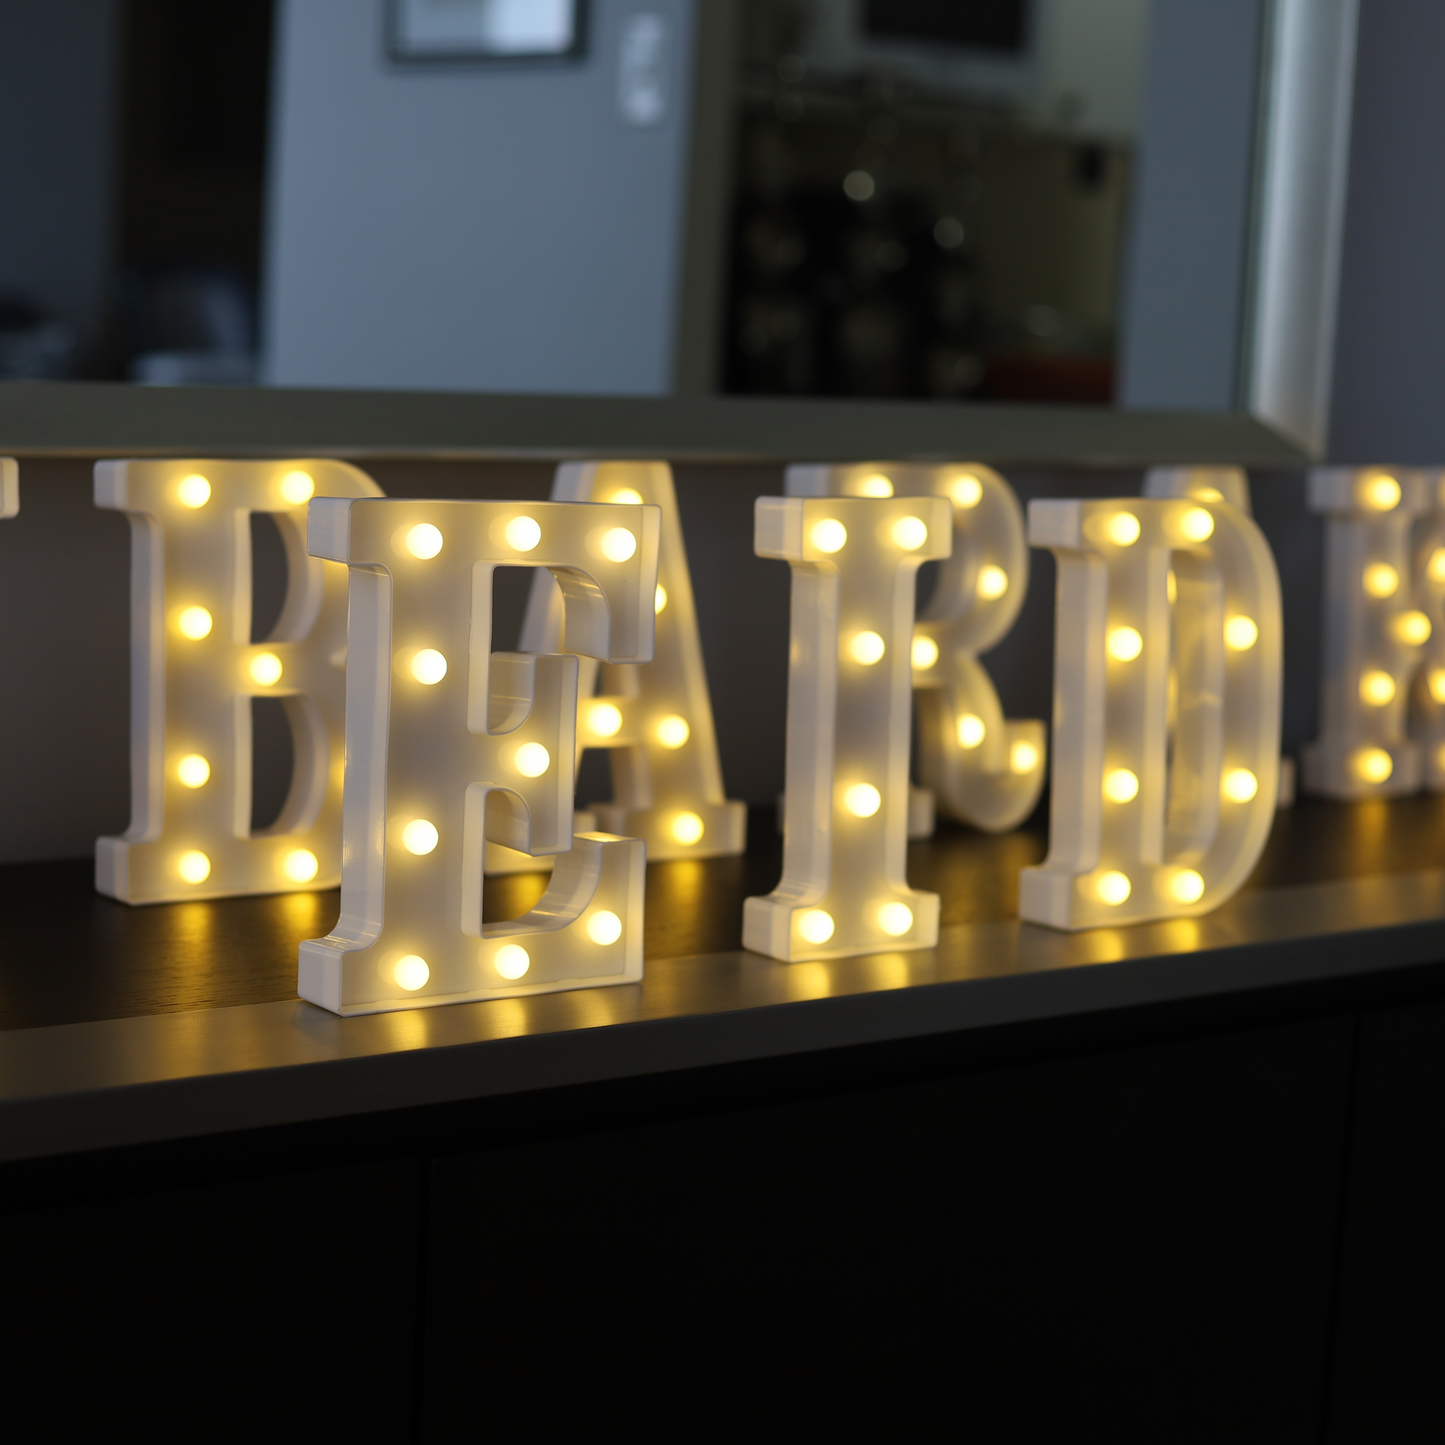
<point>895,919</point>
<point>970,730</point>
<point>862,800</point>
<point>424,541</point>
<point>410,972</point>
<point>1171,586</point>
<point>673,731</point>
<point>193,771</point>
<point>1122,529</point>
<point>532,760</point>
<point>194,490</point>
<point>1121,786</point>
<point>1023,757</point>
<point>966,491</point>
<point>195,623</point>
<point>1240,785</point>
<point>686,829</point>
<point>604,720</point>
<point>1381,580</point>
<point>419,837</point>
<point>511,960</point>
<point>300,865</point>
<point>627,496</point>
<point>1241,633</point>
<point>1196,524</point>
<point>618,544</point>
<point>1124,643</point>
<point>604,927</point>
<point>265,669</point>
<point>1435,681</point>
<point>297,487</point>
<point>1436,565</point>
<point>866,647</point>
<point>194,866</point>
<point>659,598</point>
<point>1208,494</point>
<point>815,926</point>
<point>992,582</point>
<point>875,486</point>
<point>1373,765</point>
<point>910,533</point>
<point>1412,628</point>
<point>523,533</point>
<point>1383,493</point>
<point>925,653</point>
<point>829,535</point>
<point>1186,886</point>
<point>428,666</point>
<point>1113,888</point>
<point>1377,688</point>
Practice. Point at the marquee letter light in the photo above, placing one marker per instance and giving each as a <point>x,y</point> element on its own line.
<point>1372,634</point>
<point>449,744</point>
<point>656,720</point>
<point>982,769</point>
<point>1136,833</point>
<point>1429,712</point>
<point>850,690</point>
<point>194,671</point>
<point>9,487</point>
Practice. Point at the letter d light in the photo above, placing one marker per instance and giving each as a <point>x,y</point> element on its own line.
<point>1139,830</point>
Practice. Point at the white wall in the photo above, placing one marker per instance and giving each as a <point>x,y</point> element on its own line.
<point>497,228</point>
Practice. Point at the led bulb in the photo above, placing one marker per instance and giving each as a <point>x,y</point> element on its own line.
<point>686,829</point>
<point>194,866</point>
<point>1436,565</point>
<point>1208,494</point>
<point>523,533</point>
<point>410,972</point>
<point>1023,757</point>
<point>1196,525</point>
<point>895,919</point>
<point>829,535</point>
<point>659,598</point>
<point>265,669</point>
<point>1373,765</point>
<point>511,960</point>
<point>194,490</point>
<point>604,720</point>
<point>604,927</point>
<point>1121,785</point>
<point>966,491</point>
<point>532,760</point>
<point>195,623</point>
<point>992,582</point>
<point>1412,628</point>
<point>627,496</point>
<point>419,837</point>
<point>924,653</point>
<point>875,486</point>
<point>1241,633</point>
<point>428,666</point>
<point>815,926</point>
<point>673,731</point>
<point>1377,688</point>
<point>1240,785</point>
<point>1124,643</point>
<point>970,730</point>
<point>866,647</point>
<point>1186,886</point>
<point>1381,580</point>
<point>425,541</point>
<point>193,771</point>
<point>910,533</point>
<point>1383,493</point>
<point>297,487</point>
<point>300,865</point>
<point>1122,529</point>
<point>1435,681</point>
<point>862,800</point>
<point>618,544</point>
<point>1113,888</point>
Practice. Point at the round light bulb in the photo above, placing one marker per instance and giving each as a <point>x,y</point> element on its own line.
<point>1023,757</point>
<point>966,491</point>
<point>410,972</point>
<point>659,598</point>
<point>1240,785</point>
<point>1207,494</point>
<point>1373,765</point>
<point>686,829</point>
<point>1412,628</point>
<point>910,533</point>
<point>419,837</point>
<point>1124,643</point>
<point>1436,565</point>
<point>1381,580</point>
<point>866,647</point>
<point>1382,493</point>
<point>627,497</point>
<point>428,666</point>
<point>265,669</point>
<point>1122,529</point>
<point>815,926</point>
<point>1121,786</point>
<point>992,582</point>
<point>673,731</point>
<point>1196,525</point>
<point>194,490</point>
<point>1435,681</point>
<point>924,653</point>
<point>604,927</point>
<point>1241,633</point>
<point>895,919</point>
<point>522,533</point>
<point>1112,888</point>
<point>604,720</point>
<point>1377,688</point>
<point>862,800</point>
<point>618,544</point>
<point>300,865</point>
<point>875,486</point>
<point>424,541</point>
<point>297,487</point>
<point>511,960</point>
<point>1186,886</point>
<point>193,771</point>
<point>532,760</point>
<point>829,535</point>
<point>195,623</point>
<point>970,730</point>
<point>194,866</point>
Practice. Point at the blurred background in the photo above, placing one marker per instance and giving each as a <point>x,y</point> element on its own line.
<point>1199,204</point>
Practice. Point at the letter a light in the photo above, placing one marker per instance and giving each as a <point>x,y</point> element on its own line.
<point>855,563</point>
<point>449,744</point>
<point>1141,829</point>
<point>194,671</point>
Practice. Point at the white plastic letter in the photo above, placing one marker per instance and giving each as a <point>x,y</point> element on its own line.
<point>194,671</point>
<point>9,488</point>
<point>1135,832</point>
<point>850,690</point>
<point>449,744</point>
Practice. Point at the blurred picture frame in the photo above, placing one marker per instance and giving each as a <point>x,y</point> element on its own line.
<point>490,32</point>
